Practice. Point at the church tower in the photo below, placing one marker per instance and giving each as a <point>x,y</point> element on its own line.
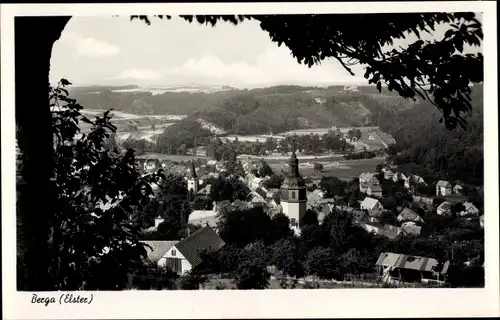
<point>293,193</point>
<point>193,180</point>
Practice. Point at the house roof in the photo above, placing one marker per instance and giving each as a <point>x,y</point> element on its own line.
<point>445,206</point>
<point>358,215</point>
<point>416,178</point>
<point>261,192</point>
<point>206,190</point>
<point>411,229</point>
<point>158,248</point>
<point>391,232</point>
<point>457,187</point>
<point>313,198</point>
<point>403,261</point>
<point>375,187</point>
<point>409,215</point>
<point>202,214</point>
<point>443,183</point>
<point>469,206</point>
<point>399,175</point>
<point>369,203</point>
<point>204,239</point>
<point>365,176</point>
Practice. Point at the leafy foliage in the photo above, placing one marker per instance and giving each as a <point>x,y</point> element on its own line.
<point>251,271</point>
<point>94,236</point>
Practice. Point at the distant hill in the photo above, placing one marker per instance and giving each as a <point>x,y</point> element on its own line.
<point>249,111</point>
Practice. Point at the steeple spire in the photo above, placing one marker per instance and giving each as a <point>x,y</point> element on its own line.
<point>193,170</point>
<point>293,165</point>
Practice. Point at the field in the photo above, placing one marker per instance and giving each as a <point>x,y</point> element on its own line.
<point>343,169</point>
<point>148,126</point>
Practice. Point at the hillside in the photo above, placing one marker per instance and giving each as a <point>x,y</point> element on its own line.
<point>256,111</point>
<point>424,145</point>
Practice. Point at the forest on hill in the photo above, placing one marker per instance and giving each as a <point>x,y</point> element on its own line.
<point>425,146</point>
<point>255,111</point>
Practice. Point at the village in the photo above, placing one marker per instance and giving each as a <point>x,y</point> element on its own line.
<point>364,199</point>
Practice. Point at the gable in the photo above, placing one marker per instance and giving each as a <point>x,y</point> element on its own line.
<point>157,249</point>
<point>204,239</point>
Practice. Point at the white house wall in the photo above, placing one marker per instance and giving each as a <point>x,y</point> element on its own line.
<point>185,265</point>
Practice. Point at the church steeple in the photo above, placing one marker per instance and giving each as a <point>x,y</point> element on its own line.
<point>193,170</point>
<point>294,180</point>
<point>293,163</point>
<point>293,193</point>
<point>193,182</point>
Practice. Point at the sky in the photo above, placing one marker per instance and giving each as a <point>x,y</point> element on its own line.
<point>116,51</point>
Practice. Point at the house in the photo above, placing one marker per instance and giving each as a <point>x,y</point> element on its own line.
<point>155,250</point>
<point>271,193</point>
<point>374,191</point>
<point>343,208</point>
<point>470,210</point>
<point>359,215</point>
<point>408,223</point>
<point>188,253</point>
<point>388,174</point>
<point>211,162</point>
<point>458,189</point>
<point>409,215</point>
<point>255,183</point>
<point>388,231</point>
<point>414,180</point>
<point>444,208</point>
<point>150,165</point>
<point>398,176</point>
<point>240,205</point>
<point>397,268</point>
<point>443,188</point>
<point>313,199</point>
<point>205,191</point>
<point>256,200</point>
<point>371,205</point>
<point>158,221</point>
<point>204,217</point>
<point>262,192</point>
<point>365,177</point>
<point>411,230</point>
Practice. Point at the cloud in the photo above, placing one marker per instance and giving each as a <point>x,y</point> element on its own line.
<point>275,65</point>
<point>91,47</point>
<point>137,74</point>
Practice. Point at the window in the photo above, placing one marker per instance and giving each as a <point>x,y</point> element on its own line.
<point>293,222</point>
<point>293,195</point>
<point>173,252</point>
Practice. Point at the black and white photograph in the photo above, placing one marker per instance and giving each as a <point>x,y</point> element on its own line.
<point>263,152</point>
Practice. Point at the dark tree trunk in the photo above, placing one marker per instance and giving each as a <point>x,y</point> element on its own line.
<point>34,37</point>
